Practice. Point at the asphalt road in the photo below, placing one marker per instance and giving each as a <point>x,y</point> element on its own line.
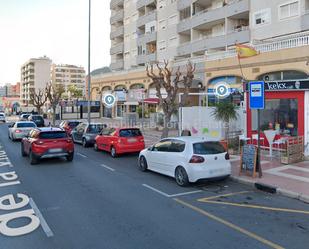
<point>97,202</point>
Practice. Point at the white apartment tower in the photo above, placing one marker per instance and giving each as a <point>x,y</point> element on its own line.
<point>35,74</point>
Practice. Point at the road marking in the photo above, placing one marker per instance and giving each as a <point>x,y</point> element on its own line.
<point>173,195</point>
<point>224,195</point>
<point>109,168</point>
<point>82,155</point>
<point>231,225</point>
<point>156,190</point>
<point>256,207</point>
<point>43,222</point>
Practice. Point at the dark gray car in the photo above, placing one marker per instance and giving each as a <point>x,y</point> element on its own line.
<point>85,133</point>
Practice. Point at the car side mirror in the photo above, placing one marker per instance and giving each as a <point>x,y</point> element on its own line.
<point>150,148</point>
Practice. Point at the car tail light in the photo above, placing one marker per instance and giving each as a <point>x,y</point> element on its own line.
<point>197,159</point>
<point>39,142</point>
<point>18,131</point>
<point>141,140</point>
<point>69,141</point>
<point>227,156</point>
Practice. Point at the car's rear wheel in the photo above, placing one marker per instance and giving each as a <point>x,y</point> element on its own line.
<point>95,146</point>
<point>23,153</point>
<point>33,159</point>
<point>113,152</point>
<point>70,157</point>
<point>142,163</point>
<point>84,142</point>
<point>181,176</point>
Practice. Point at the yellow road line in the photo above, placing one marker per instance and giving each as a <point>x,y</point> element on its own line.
<point>231,225</point>
<point>218,196</point>
<point>259,207</point>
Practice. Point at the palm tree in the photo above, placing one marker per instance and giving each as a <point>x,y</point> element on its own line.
<point>225,111</point>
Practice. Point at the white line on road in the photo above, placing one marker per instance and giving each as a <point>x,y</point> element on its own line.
<point>109,168</point>
<point>173,195</point>
<point>82,155</point>
<point>43,222</point>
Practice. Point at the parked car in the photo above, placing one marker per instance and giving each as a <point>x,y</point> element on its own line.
<point>37,119</point>
<point>85,133</point>
<point>24,116</point>
<point>120,140</point>
<point>2,117</point>
<point>47,142</point>
<point>187,159</point>
<point>69,125</point>
<point>20,129</point>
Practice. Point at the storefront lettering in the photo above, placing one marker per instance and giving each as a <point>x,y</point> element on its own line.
<point>277,86</point>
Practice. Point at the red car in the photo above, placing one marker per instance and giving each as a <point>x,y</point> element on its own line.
<point>47,142</point>
<point>120,140</point>
<point>69,125</point>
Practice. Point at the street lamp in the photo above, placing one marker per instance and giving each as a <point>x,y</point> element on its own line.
<point>89,46</point>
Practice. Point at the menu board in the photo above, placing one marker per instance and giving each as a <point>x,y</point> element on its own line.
<point>248,159</point>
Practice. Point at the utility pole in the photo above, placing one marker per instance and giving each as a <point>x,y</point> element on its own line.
<point>89,50</point>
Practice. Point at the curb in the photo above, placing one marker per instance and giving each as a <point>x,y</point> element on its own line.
<point>272,189</point>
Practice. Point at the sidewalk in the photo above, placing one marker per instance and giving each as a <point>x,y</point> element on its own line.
<point>289,180</point>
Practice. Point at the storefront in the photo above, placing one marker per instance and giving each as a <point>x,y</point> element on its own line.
<point>120,93</point>
<point>285,110</point>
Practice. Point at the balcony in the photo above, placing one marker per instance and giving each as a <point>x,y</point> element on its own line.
<point>117,17</point>
<point>117,65</point>
<point>182,4</point>
<point>237,7</point>
<point>184,25</point>
<point>208,16</point>
<point>149,17</point>
<point>115,3</point>
<point>117,49</point>
<point>305,20</point>
<point>142,3</point>
<point>211,42</point>
<point>146,38</point>
<point>143,59</point>
<point>117,32</point>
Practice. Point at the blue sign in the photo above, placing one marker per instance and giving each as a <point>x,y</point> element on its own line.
<point>256,95</point>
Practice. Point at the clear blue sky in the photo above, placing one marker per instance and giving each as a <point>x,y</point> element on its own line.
<point>55,28</point>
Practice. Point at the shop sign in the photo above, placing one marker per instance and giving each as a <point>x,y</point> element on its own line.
<point>286,85</point>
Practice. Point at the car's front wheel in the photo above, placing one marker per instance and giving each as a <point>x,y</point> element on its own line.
<point>113,152</point>
<point>181,176</point>
<point>95,146</point>
<point>23,153</point>
<point>84,142</point>
<point>70,157</point>
<point>142,163</point>
<point>33,158</point>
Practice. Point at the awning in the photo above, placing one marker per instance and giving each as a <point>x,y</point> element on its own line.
<point>131,103</point>
<point>152,101</point>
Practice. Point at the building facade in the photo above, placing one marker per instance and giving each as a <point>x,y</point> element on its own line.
<point>35,74</point>
<point>68,75</point>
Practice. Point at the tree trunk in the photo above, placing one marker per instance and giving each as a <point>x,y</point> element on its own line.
<point>167,119</point>
<point>54,115</point>
<point>227,133</point>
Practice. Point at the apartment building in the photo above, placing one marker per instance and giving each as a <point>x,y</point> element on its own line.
<point>9,90</point>
<point>35,74</point>
<point>68,75</point>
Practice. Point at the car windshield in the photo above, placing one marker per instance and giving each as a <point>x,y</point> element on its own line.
<point>53,135</point>
<point>37,118</point>
<point>73,124</point>
<point>24,125</point>
<point>208,148</point>
<point>95,128</point>
<point>1,115</point>
<point>130,133</point>
<point>25,115</point>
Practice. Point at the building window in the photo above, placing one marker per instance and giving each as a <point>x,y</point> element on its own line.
<point>289,10</point>
<point>161,4</point>
<point>283,75</point>
<point>162,24</point>
<point>262,17</point>
<point>162,45</point>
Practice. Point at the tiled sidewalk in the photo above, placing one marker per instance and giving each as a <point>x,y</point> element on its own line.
<point>290,180</point>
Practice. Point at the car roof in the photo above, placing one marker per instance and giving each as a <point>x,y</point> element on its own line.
<point>192,139</point>
<point>18,122</point>
<point>50,129</point>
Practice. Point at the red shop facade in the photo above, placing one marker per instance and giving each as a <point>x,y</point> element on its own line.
<point>284,111</point>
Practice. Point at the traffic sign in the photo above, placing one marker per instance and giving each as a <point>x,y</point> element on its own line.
<point>256,95</point>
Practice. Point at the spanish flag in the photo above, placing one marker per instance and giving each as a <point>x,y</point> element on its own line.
<point>244,51</point>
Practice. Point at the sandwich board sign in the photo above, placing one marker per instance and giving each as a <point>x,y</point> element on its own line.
<point>256,95</point>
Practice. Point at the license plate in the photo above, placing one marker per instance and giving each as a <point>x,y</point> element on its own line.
<point>132,140</point>
<point>55,150</point>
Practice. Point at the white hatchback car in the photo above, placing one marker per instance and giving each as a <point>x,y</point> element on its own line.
<point>187,159</point>
<point>2,117</point>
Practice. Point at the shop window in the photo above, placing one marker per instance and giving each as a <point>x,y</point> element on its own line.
<point>279,114</point>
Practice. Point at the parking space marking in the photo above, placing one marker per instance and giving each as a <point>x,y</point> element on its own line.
<point>43,222</point>
<point>109,168</point>
<point>256,207</point>
<point>231,225</point>
<point>224,195</point>
<point>172,195</point>
<point>82,155</point>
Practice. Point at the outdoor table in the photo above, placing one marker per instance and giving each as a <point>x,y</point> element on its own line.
<point>270,135</point>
